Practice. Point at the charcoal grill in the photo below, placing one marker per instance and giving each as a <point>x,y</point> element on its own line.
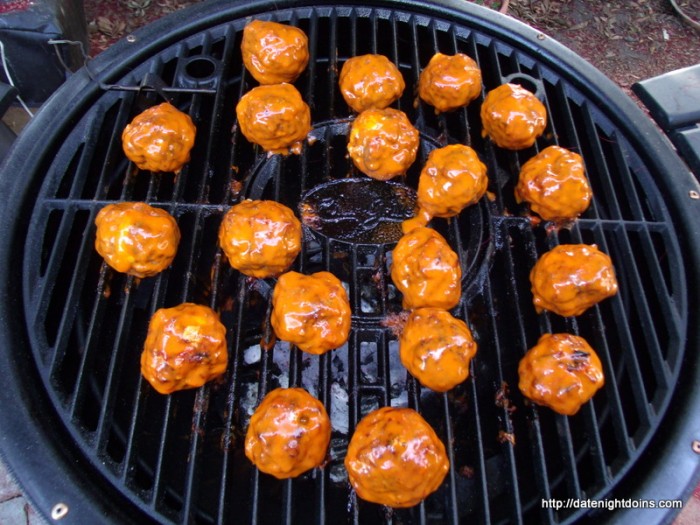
<point>91,441</point>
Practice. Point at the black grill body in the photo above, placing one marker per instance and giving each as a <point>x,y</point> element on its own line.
<point>80,425</point>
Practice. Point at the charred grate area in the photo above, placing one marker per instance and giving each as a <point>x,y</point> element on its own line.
<point>180,458</point>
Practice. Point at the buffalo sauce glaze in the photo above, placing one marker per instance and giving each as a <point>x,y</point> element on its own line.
<point>561,372</point>
<point>275,117</point>
<point>452,179</point>
<point>159,139</point>
<point>288,433</point>
<point>554,184</point>
<point>513,117</point>
<point>274,53</point>
<point>449,82</point>
<point>383,143</point>
<point>370,82</point>
<point>260,238</point>
<point>135,238</point>
<point>436,348</point>
<point>426,270</point>
<point>395,458</point>
<point>185,347</point>
<point>571,278</point>
<point>311,311</point>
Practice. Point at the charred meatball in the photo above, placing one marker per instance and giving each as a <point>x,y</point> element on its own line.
<point>449,82</point>
<point>436,348</point>
<point>383,143</point>
<point>513,117</point>
<point>274,117</point>
<point>136,239</point>
<point>370,82</point>
<point>561,372</point>
<point>288,433</point>
<point>395,458</point>
<point>452,179</point>
<point>274,53</point>
<point>185,347</point>
<point>260,238</point>
<point>554,184</point>
<point>159,139</point>
<point>311,311</point>
<point>426,270</point>
<point>571,278</point>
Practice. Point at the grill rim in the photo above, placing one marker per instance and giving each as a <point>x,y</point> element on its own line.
<point>29,446</point>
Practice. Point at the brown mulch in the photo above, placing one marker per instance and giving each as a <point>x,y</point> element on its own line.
<point>628,40</point>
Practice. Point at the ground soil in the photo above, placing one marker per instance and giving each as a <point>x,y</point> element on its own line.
<point>628,40</point>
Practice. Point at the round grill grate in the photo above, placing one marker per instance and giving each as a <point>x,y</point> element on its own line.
<point>179,458</point>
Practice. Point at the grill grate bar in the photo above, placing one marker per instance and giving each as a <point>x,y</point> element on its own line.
<point>451,505</point>
<point>199,417</point>
<point>236,355</point>
<point>615,406</point>
<point>77,283</point>
<point>507,446</point>
<point>597,163</point>
<point>141,394</point>
<point>629,358</point>
<point>537,444</point>
<point>115,365</point>
<point>95,322</point>
<point>479,440</point>
<point>160,455</point>
<point>114,146</point>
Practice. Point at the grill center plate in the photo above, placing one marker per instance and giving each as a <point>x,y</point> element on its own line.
<point>363,211</point>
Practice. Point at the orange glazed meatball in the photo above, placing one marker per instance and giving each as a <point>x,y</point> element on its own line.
<point>395,458</point>
<point>311,311</point>
<point>449,82</point>
<point>383,143</point>
<point>452,179</point>
<point>274,53</point>
<point>513,117</point>
<point>288,433</point>
<point>274,117</point>
<point>436,348</point>
<point>260,238</point>
<point>571,278</point>
<point>370,82</point>
<point>135,238</point>
<point>426,270</point>
<point>561,372</point>
<point>554,184</point>
<point>185,347</point>
<point>159,139</point>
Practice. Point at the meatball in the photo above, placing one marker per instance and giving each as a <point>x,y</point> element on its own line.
<point>185,347</point>
<point>288,433</point>
<point>274,53</point>
<point>436,348</point>
<point>426,270</point>
<point>513,117</point>
<point>554,184</point>
<point>395,458</point>
<point>274,117</point>
<point>260,238</point>
<point>383,143</point>
<point>449,82</point>
<point>159,139</point>
<point>561,372</point>
<point>136,238</point>
<point>370,82</point>
<point>311,311</point>
<point>571,278</point>
<point>452,179</point>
